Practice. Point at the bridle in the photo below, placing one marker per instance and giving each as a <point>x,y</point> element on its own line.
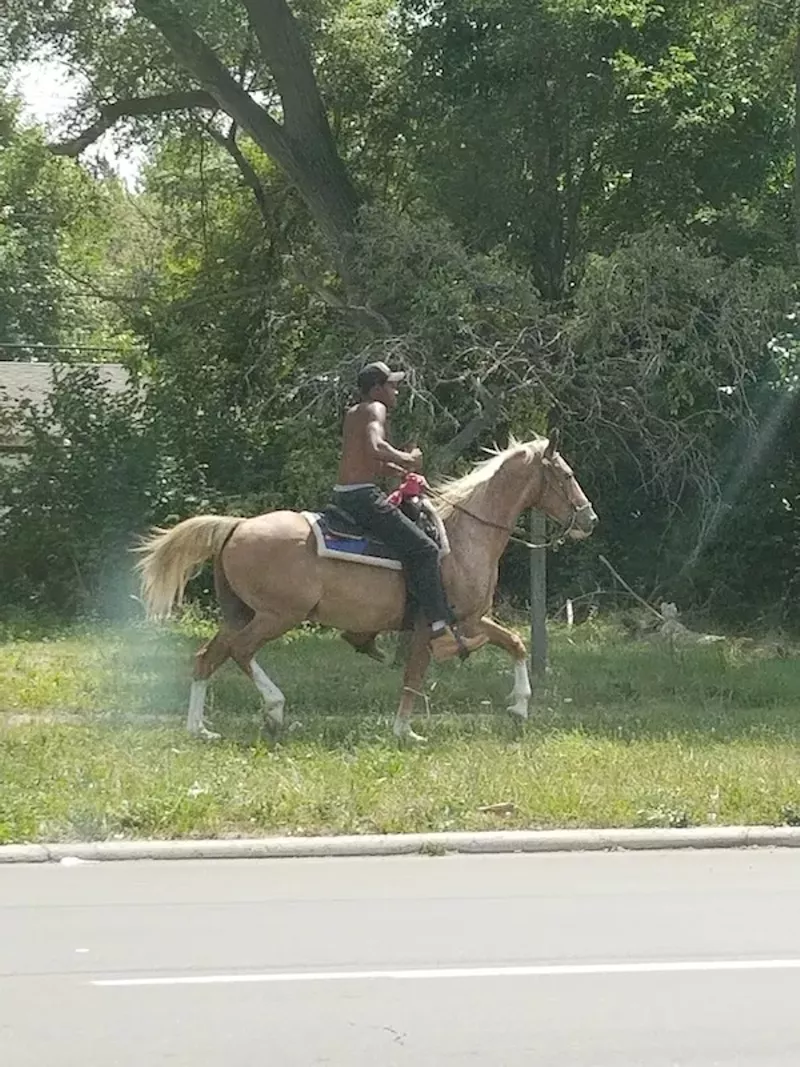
<point>553,542</point>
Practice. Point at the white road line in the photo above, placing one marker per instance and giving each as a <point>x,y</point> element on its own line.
<point>446,973</point>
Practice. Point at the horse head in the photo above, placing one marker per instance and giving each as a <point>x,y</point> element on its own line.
<point>560,496</point>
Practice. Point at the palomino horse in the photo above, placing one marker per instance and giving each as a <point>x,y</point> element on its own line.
<point>269,578</point>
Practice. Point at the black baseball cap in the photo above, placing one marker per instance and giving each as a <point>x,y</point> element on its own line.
<point>377,374</point>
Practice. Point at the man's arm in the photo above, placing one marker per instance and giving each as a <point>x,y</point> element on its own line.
<point>380,447</point>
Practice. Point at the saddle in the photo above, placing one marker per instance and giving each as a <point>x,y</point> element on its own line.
<point>338,535</point>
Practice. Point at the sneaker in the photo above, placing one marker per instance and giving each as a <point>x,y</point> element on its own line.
<point>446,644</point>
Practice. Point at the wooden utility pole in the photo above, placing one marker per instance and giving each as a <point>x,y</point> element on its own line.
<point>797,132</point>
<point>538,594</point>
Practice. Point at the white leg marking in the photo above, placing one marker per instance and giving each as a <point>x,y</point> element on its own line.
<point>522,682</point>
<point>522,689</point>
<point>194,720</point>
<point>197,702</point>
<point>274,699</point>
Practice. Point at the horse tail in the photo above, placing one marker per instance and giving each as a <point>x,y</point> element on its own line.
<point>169,557</point>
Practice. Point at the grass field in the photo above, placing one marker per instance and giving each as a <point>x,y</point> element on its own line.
<point>621,733</point>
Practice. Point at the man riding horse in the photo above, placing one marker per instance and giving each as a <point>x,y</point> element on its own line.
<point>270,576</point>
<point>367,455</point>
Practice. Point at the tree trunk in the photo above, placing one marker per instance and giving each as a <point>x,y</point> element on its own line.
<point>797,134</point>
<point>323,183</point>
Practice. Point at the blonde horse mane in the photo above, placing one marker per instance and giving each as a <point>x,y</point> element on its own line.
<point>450,493</point>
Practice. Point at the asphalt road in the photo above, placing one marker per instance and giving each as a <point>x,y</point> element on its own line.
<point>594,960</point>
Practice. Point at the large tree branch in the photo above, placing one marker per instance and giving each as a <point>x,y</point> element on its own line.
<point>198,59</point>
<point>362,316</point>
<point>110,114</point>
<point>308,157</point>
<point>288,58</point>
<point>304,117</point>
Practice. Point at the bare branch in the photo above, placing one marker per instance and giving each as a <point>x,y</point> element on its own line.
<point>246,169</point>
<point>134,107</point>
<point>484,420</point>
<point>120,300</point>
<point>625,586</point>
<point>359,314</point>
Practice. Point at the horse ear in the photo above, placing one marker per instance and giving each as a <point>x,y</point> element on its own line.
<point>552,443</point>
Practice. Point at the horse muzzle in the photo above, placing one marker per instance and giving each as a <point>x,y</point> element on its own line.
<point>583,523</point>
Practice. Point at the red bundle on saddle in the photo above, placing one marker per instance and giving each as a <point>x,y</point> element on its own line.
<point>413,485</point>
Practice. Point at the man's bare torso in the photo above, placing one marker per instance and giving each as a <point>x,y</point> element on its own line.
<point>359,464</point>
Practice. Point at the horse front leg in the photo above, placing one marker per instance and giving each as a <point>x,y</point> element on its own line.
<point>513,644</point>
<point>416,665</point>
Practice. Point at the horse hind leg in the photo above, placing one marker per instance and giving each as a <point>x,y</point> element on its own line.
<point>264,627</point>
<point>214,653</point>
<point>363,643</point>
<point>210,657</point>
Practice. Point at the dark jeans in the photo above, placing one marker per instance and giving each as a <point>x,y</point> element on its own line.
<point>418,553</point>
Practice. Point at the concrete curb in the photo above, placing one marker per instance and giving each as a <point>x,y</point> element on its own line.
<point>23,854</point>
<point>501,841</point>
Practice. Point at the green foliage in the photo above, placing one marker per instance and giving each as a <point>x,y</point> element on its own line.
<point>434,288</point>
<point>553,129</point>
<point>695,328</point>
<point>37,199</point>
<point>679,421</point>
<point>74,505</point>
<point>64,240</point>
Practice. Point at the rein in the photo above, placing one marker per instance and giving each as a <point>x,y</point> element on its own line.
<point>553,542</point>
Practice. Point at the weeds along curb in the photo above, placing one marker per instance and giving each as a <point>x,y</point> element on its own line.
<point>487,843</point>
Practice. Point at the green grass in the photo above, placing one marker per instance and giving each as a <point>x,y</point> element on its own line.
<point>621,734</point>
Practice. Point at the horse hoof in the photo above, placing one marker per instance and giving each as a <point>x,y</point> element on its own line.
<point>273,716</point>
<point>404,733</point>
<point>519,709</point>
<point>412,738</point>
<point>204,734</point>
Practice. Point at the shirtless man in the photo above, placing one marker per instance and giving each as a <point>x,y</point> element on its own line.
<point>366,455</point>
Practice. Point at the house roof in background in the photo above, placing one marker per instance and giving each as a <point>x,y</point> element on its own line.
<point>33,381</point>
<point>22,380</point>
